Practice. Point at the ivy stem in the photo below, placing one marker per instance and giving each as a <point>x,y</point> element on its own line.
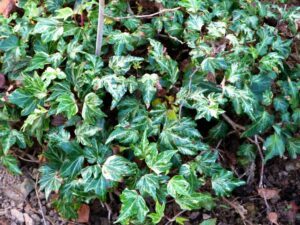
<point>100,27</point>
<point>143,16</point>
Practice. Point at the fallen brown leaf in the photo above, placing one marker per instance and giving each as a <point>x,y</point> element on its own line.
<point>273,218</point>
<point>2,81</point>
<point>6,7</point>
<point>268,193</point>
<point>83,214</point>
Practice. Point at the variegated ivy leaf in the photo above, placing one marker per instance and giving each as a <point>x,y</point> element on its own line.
<point>243,100</point>
<point>263,122</point>
<point>52,74</point>
<point>165,64</point>
<point>49,28</point>
<point>133,209</point>
<point>275,146</point>
<point>207,106</point>
<point>178,186</point>
<point>84,132</point>
<point>51,182</point>
<point>192,6</point>
<point>293,147</point>
<point>196,200</point>
<point>159,213</point>
<point>114,85</point>
<point>32,94</point>
<point>37,123</point>
<point>160,163</point>
<point>211,64</point>
<point>124,135</point>
<point>224,182</point>
<point>195,22</point>
<point>122,42</point>
<point>148,185</point>
<point>182,135</point>
<point>148,87</point>
<point>10,137</point>
<point>122,64</point>
<point>67,105</point>
<point>116,167</point>
<point>217,29</point>
<point>91,110</point>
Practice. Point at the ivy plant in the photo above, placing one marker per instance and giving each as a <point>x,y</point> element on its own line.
<point>143,120</point>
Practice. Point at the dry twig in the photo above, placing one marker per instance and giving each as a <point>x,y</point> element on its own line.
<point>39,200</point>
<point>143,16</point>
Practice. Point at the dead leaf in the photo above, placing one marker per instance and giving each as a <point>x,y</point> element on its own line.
<point>273,218</point>
<point>6,7</point>
<point>268,193</point>
<point>83,214</point>
<point>2,81</point>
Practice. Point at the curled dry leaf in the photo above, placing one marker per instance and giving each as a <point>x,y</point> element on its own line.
<point>6,7</point>
<point>273,218</point>
<point>2,81</point>
<point>83,214</point>
<point>268,193</point>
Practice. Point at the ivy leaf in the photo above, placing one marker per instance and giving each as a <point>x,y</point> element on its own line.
<point>10,43</point>
<point>11,163</point>
<point>293,147</point>
<point>124,135</point>
<point>148,184</point>
<point>192,6</point>
<point>195,201</point>
<point>219,131</point>
<point>37,123</point>
<point>181,135</point>
<point>72,167</point>
<point>122,41</point>
<point>195,22</point>
<point>91,111</point>
<point>133,208</point>
<point>84,132</point>
<point>275,146</point>
<point>178,186</point>
<point>49,28</point>
<point>260,125</point>
<point>117,167</point>
<point>122,64</point>
<point>224,182</point>
<point>148,87</point>
<point>50,180</point>
<point>39,60</point>
<point>9,138</point>
<point>160,162</point>
<point>206,163</point>
<point>209,222</point>
<point>67,105</point>
<point>166,65</point>
<point>211,64</point>
<point>114,85</point>
<point>30,95</point>
<point>159,213</point>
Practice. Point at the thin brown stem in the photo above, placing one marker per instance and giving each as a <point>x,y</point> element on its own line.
<point>39,200</point>
<point>144,16</point>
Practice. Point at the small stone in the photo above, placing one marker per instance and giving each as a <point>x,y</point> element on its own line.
<point>28,220</point>
<point>26,187</point>
<point>35,217</point>
<point>17,215</point>
<point>206,216</point>
<point>290,166</point>
<point>194,215</point>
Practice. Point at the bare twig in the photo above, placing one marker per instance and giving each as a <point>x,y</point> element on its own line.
<point>109,211</point>
<point>171,220</point>
<point>39,200</point>
<point>100,27</point>
<point>144,16</point>
<point>262,162</point>
<point>232,123</point>
<point>239,209</point>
